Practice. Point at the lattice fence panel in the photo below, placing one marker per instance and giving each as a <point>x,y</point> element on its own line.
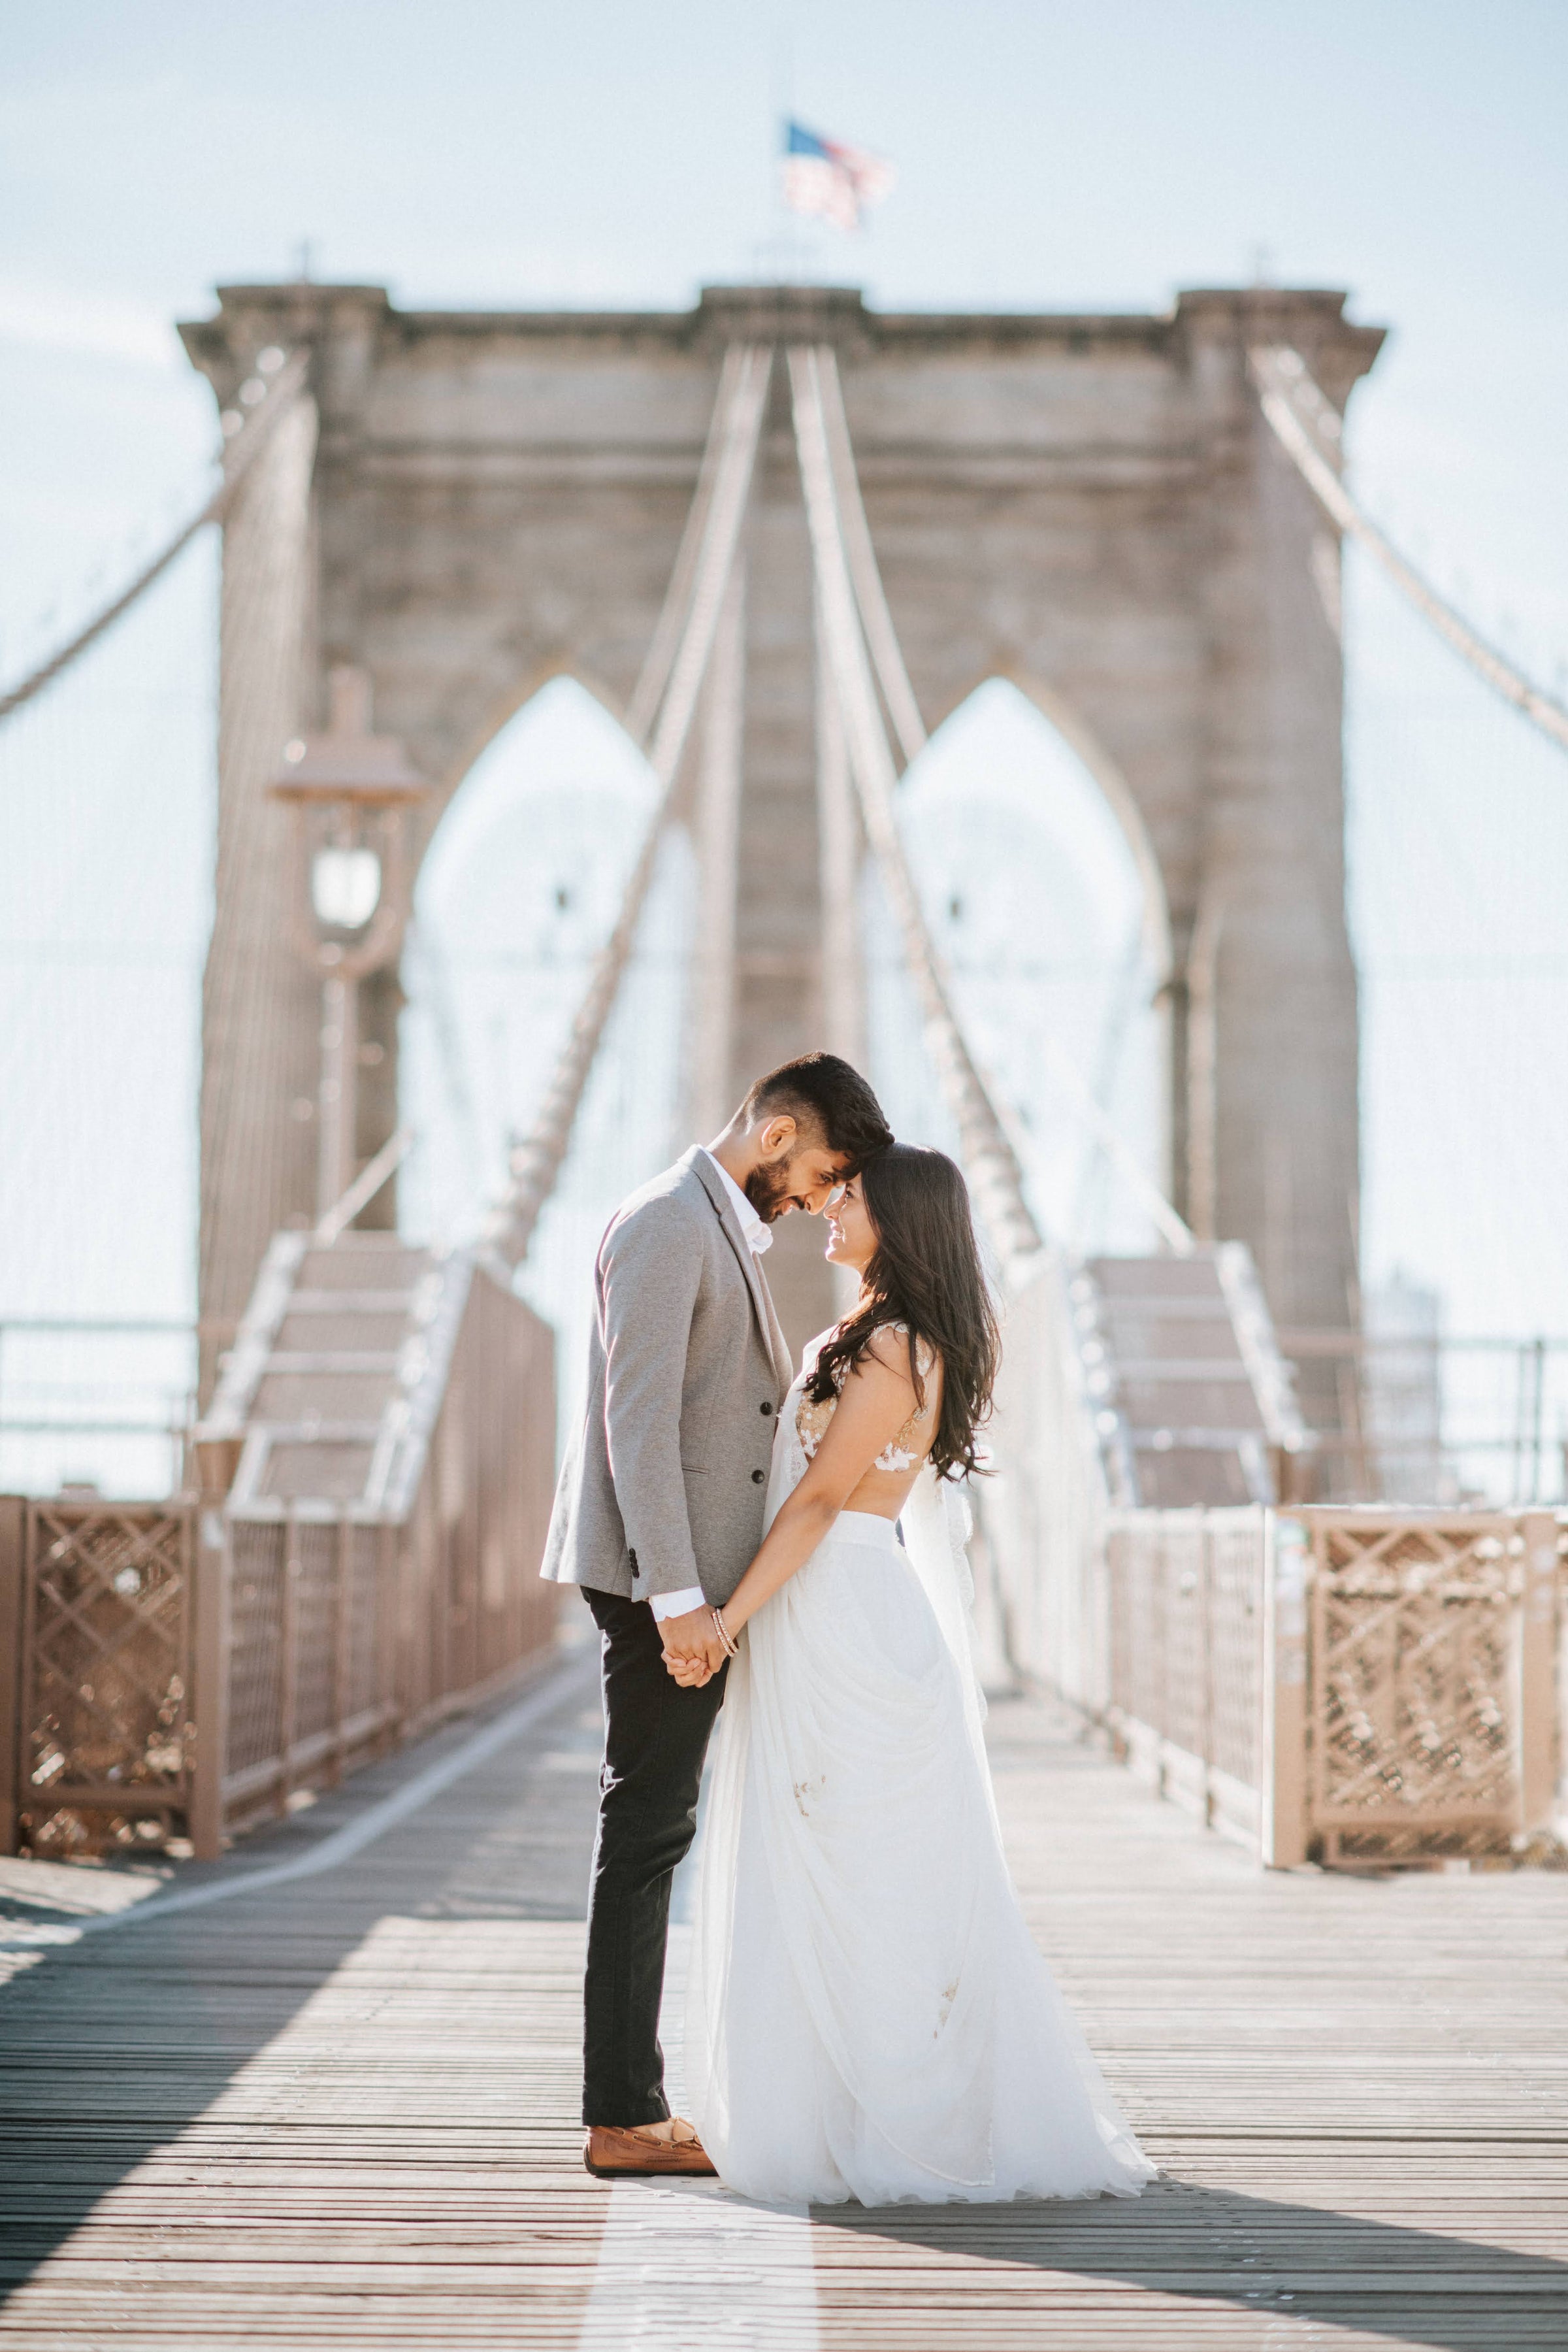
<point>256,1652</point>
<point>106,1674</point>
<point>321,1634</point>
<point>1138,1620</point>
<point>316,1606</point>
<point>1413,1695</point>
<point>1185,1610</point>
<point>1236,1569</point>
<point>370,1562</point>
<point>1362,1685</point>
<point>1117,1560</point>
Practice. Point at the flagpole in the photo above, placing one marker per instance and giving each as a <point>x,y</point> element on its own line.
<point>787,226</point>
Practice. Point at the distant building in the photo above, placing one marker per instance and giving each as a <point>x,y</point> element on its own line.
<point>1401,1390</point>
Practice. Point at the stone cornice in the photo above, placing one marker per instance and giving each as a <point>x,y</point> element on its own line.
<point>250,315</point>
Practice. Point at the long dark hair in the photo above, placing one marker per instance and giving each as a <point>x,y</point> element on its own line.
<point>926,1272</point>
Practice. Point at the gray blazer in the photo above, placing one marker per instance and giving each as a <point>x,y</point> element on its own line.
<point>665,1473</point>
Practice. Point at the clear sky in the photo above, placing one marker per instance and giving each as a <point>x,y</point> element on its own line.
<point>1071,152</point>
<point>1051,154</point>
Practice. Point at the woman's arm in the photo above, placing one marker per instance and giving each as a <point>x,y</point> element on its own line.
<point>877,1400</point>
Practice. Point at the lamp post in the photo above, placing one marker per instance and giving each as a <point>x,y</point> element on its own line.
<point>351,794</point>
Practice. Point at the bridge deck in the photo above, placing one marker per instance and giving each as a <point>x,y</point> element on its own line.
<point>338,2111</point>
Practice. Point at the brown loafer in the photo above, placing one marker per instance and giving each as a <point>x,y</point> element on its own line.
<point>607,2151</point>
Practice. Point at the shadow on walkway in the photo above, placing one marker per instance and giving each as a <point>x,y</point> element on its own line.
<point>1304,2264</point>
<point>114,2047</point>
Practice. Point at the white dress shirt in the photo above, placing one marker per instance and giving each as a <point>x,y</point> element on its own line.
<point>758,1238</point>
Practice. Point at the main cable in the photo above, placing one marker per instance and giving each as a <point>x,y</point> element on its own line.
<point>848,578</point>
<point>999,1181</point>
<point>238,459</point>
<point>1307,426</point>
<point>698,591</point>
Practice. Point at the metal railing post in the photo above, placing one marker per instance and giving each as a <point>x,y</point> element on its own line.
<point>210,1684</point>
<point>343,1595</point>
<point>1206,1602</point>
<point>389,1547</point>
<point>13,1578</point>
<point>289,1661</point>
<point>1284,1811</point>
<point>1537,1762</point>
<point>1164,1574</point>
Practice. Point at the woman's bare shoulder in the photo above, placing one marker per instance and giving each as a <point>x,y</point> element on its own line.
<point>889,1346</point>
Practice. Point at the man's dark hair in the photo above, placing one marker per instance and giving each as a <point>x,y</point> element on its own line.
<point>827,1096</point>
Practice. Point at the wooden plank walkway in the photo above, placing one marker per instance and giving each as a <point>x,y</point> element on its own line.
<point>338,2111</point>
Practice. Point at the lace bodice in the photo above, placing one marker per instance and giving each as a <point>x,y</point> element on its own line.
<point>904,1448</point>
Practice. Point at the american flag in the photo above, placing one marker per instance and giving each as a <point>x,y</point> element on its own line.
<point>822,176</point>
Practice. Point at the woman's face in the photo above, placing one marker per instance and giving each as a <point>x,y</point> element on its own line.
<point>852,1236</point>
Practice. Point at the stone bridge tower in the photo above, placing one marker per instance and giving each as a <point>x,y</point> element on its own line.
<point>1088,506</point>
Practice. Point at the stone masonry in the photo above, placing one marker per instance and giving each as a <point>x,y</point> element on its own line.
<point>1088,506</point>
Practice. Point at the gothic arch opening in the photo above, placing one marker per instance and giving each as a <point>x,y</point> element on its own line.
<point>517,892</point>
<point>1044,898</point>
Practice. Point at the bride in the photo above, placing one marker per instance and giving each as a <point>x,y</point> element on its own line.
<point>867,2015</point>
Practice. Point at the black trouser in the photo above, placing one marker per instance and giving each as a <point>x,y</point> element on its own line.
<point>655,1738</point>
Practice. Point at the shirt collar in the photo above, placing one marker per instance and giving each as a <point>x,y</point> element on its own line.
<point>759,1237</point>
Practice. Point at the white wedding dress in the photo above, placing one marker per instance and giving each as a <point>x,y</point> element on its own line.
<point>867,2015</point>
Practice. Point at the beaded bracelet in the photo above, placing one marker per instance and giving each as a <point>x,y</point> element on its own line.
<point>731,1647</point>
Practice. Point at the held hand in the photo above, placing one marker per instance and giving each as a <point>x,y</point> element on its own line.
<point>688,1672</point>
<point>693,1651</point>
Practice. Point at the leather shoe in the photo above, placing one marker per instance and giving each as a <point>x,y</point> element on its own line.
<point>608,2151</point>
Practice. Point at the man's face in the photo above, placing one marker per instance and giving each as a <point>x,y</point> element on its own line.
<point>796,1175</point>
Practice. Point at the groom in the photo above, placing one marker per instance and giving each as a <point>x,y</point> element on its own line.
<point>658,1514</point>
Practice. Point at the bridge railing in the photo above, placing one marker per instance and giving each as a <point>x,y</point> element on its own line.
<point>1045,1504</point>
<point>1186,1594</point>
<point>1358,1686</point>
<point>177,1671</point>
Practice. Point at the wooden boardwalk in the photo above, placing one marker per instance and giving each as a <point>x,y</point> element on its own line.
<point>338,2110</point>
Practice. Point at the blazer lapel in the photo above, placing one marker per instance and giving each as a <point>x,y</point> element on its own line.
<point>782,1362</point>
<point>767,1315</point>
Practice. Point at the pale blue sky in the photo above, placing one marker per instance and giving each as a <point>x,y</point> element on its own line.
<point>1096,154</point>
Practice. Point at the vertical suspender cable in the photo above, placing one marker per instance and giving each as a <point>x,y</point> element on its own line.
<point>728,467</point>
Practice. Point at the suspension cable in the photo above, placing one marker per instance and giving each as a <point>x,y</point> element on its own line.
<point>998,1181</point>
<point>819,397</point>
<point>1307,426</point>
<point>649,691</point>
<point>881,636</point>
<point>728,466</point>
<point>238,457</point>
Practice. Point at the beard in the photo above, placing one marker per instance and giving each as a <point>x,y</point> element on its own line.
<point>768,1190</point>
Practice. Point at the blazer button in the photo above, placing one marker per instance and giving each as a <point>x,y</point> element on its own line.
<point>765,1409</point>
<point>758,1476</point>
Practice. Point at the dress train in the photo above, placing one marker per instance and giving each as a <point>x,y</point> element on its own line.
<point>867,2014</point>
